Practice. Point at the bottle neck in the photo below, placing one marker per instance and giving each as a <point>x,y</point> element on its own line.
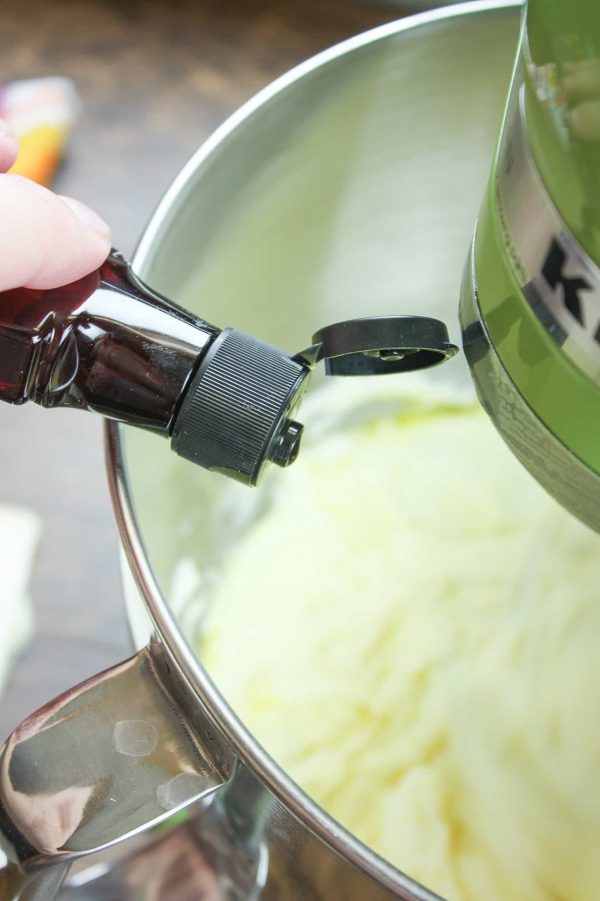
<point>105,343</point>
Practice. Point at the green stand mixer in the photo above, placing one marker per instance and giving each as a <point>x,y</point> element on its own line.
<point>530,297</point>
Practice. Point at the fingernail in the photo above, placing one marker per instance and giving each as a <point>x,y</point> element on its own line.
<point>88,217</point>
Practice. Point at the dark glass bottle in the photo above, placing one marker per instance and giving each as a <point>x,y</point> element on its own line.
<point>104,343</point>
<point>109,344</point>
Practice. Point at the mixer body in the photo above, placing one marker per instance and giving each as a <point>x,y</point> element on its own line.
<point>530,301</point>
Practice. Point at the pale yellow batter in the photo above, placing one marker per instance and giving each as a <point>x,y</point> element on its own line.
<point>412,629</point>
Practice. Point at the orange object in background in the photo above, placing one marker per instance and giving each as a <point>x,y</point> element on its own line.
<point>42,112</point>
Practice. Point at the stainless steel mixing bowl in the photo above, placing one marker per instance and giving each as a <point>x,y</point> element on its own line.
<point>348,187</point>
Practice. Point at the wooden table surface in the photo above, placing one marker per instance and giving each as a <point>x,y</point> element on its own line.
<point>156,77</point>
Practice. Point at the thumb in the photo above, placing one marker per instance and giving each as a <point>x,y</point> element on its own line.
<point>46,241</point>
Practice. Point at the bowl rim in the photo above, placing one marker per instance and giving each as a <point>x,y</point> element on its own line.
<point>245,746</point>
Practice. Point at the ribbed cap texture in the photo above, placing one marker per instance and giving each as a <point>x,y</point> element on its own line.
<point>234,404</point>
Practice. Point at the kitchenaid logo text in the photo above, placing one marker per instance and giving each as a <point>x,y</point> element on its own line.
<point>563,288</point>
<point>570,287</point>
<point>559,281</point>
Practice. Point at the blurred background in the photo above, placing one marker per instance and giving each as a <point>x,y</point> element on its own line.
<point>155,77</point>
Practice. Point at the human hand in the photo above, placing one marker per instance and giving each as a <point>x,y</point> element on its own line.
<point>46,240</point>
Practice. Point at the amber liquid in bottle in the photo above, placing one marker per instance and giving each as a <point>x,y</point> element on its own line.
<point>104,343</point>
